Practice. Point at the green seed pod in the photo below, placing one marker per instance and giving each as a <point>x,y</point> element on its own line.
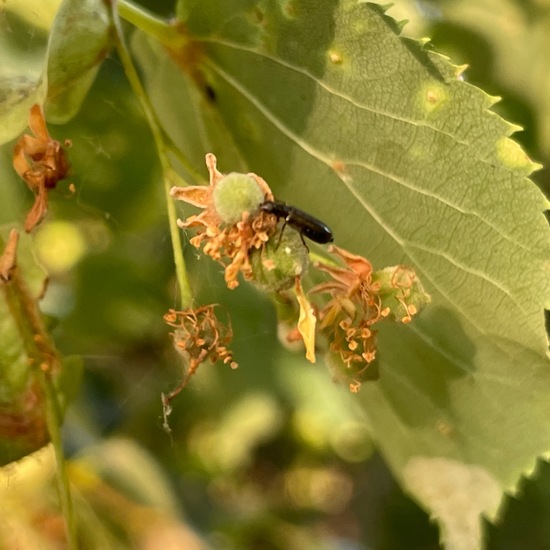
<point>280,261</point>
<point>235,194</point>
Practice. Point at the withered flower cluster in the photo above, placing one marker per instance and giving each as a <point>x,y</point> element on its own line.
<point>358,299</point>
<point>41,161</point>
<point>353,308</point>
<point>199,336</point>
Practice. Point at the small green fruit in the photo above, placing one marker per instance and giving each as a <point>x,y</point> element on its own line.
<point>280,261</point>
<point>235,194</point>
<point>401,292</point>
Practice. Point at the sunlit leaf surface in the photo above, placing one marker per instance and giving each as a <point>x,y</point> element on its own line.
<point>383,141</point>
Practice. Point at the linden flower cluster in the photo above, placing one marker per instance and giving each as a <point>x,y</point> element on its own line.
<point>235,231</point>
<point>358,299</point>
<point>41,161</point>
<point>230,226</point>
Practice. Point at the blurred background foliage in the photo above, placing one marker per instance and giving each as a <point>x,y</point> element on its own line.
<point>272,455</point>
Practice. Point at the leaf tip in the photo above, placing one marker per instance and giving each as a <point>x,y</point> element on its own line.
<point>386,7</point>
<point>513,128</point>
<point>460,70</point>
<point>401,24</point>
<point>493,100</point>
<point>512,155</point>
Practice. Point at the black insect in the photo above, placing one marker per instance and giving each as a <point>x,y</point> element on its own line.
<point>304,223</point>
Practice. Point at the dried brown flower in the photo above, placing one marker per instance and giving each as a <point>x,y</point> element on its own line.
<point>198,336</point>
<point>354,307</point>
<point>41,161</point>
<point>360,298</point>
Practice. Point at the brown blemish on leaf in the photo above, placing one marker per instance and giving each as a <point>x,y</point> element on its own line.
<point>25,420</point>
<point>188,54</point>
<point>335,57</point>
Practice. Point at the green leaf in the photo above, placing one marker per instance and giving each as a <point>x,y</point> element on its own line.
<point>382,140</point>
<point>517,36</point>
<point>22,397</point>
<point>18,93</point>
<point>22,49</point>
<point>23,428</point>
<point>79,41</point>
<point>62,69</point>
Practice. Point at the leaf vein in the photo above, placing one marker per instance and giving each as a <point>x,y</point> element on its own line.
<point>334,92</point>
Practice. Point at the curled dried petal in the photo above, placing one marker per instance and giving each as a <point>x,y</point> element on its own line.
<point>197,195</point>
<point>8,257</point>
<point>41,161</point>
<point>306,322</point>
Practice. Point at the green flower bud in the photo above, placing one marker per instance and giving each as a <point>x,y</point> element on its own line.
<point>235,194</point>
<point>280,261</point>
<point>401,292</point>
